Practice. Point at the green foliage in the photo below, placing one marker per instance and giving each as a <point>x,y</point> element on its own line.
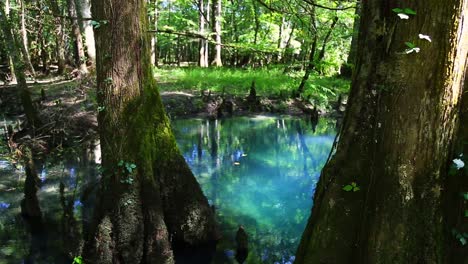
<point>78,260</point>
<point>351,187</point>
<point>410,45</point>
<point>127,169</point>
<point>407,11</point>
<point>97,24</point>
<point>461,237</point>
<point>269,82</point>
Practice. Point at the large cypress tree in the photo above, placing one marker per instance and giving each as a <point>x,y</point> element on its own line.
<point>380,198</point>
<point>148,193</point>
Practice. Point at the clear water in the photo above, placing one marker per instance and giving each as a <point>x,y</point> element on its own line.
<point>259,172</point>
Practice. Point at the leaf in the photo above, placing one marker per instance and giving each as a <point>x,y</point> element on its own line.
<point>353,184</point>
<point>348,188</point>
<point>466,213</point>
<point>465,196</point>
<point>410,45</point>
<point>397,10</point>
<point>409,11</point>
<point>95,24</point>
<point>462,239</point>
<point>78,260</point>
<point>356,189</point>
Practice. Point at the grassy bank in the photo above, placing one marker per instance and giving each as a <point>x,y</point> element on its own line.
<point>269,82</point>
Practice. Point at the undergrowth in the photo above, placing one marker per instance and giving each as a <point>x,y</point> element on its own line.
<point>269,82</point>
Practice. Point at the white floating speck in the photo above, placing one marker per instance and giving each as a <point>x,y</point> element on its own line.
<point>403,16</point>
<point>426,37</point>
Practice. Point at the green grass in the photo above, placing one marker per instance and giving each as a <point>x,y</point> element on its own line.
<point>269,82</point>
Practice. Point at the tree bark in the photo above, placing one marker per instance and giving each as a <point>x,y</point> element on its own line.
<point>84,13</point>
<point>59,36</point>
<point>24,37</point>
<point>218,20</point>
<point>80,59</point>
<point>144,203</point>
<point>154,19</point>
<point>394,143</point>
<point>201,26</point>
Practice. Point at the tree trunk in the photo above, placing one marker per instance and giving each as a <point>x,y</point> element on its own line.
<point>19,66</point>
<point>207,30</point>
<point>80,59</point>
<point>154,18</point>
<point>312,60</point>
<point>24,37</point>
<point>455,204</point>
<point>144,203</point>
<point>346,70</point>
<point>201,26</point>
<point>59,36</point>
<point>218,20</point>
<point>394,142</point>
<point>84,13</point>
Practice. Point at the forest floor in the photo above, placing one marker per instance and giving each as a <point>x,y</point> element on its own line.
<point>68,108</point>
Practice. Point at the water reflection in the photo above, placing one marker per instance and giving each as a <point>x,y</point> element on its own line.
<point>259,173</point>
<point>65,203</point>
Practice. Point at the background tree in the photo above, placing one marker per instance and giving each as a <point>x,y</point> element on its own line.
<point>18,62</point>
<point>80,59</point>
<point>380,197</point>
<point>145,184</point>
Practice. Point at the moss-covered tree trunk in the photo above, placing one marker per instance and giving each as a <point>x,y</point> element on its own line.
<point>149,197</point>
<point>395,141</point>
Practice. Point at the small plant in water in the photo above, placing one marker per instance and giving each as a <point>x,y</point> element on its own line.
<point>351,187</point>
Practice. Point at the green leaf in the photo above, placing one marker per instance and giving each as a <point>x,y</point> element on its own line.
<point>355,189</point>
<point>461,239</point>
<point>397,10</point>
<point>121,163</point>
<point>353,184</point>
<point>348,188</point>
<point>78,260</point>
<point>95,24</point>
<point>410,45</point>
<point>466,213</point>
<point>409,11</point>
<point>465,196</point>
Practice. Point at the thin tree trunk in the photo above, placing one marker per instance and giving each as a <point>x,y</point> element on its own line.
<point>201,27</point>
<point>154,37</point>
<point>80,58</point>
<point>144,204</point>
<point>84,13</point>
<point>207,30</point>
<point>59,36</point>
<point>312,60</point>
<point>19,66</point>
<point>218,20</point>
<point>394,143</point>
<point>24,37</point>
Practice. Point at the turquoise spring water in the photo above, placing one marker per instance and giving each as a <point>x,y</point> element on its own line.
<point>259,172</point>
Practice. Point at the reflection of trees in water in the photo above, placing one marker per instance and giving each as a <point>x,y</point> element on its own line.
<point>52,209</point>
<point>231,154</point>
